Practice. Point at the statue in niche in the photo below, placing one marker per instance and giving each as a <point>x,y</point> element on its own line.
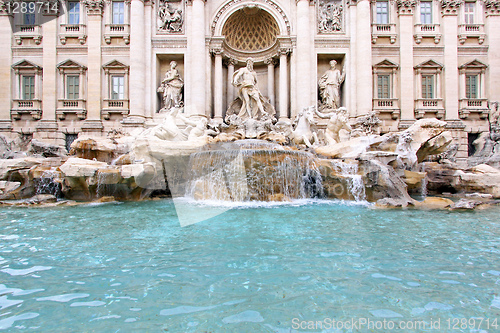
<point>171,87</point>
<point>330,17</point>
<point>329,86</point>
<point>250,102</point>
<point>170,18</point>
<point>338,120</point>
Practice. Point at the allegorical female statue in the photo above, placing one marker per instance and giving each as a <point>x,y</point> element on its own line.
<point>171,87</point>
<point>329,86</point>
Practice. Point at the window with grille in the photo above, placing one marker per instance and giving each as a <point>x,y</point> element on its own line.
<point>426,12</point>
<point>427,86</point>
<point>384,86</point>
<point>117,87</point>
<point>118,12</point>
<point>471,86</point>
<point>28,88</point>
<point>73,12</point>
<point>72,87</point>
<point>469,12</point>
<point>382,12</point>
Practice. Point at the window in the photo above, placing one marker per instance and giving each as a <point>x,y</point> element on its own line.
<point>117,87</point>
<point>72,87</point>
<point>383,84</point>
<point>471,86</point>
<point>74,13</point>
<point>29,18</point>
<point>28,88</point>
<point>118,12</point>
<point>469,12</point>
<point>427,86</point>
<point>382,12</point>
<point>426,12</point>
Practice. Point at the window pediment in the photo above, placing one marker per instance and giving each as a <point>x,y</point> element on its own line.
<point>429,64</point>
<point>474,64</point>
<point>25,64</point>
<point>70,64</point>
<point>386,64</point>
<point>115,64</point>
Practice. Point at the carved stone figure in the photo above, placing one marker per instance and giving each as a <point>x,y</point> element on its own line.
<point>170,18</point>
<point>302,132</point>
<point>329,16</point>
<point>168,129</point>
<point>245,79</point>
<point>171,87</point>
<point>338,120</point>
<point>329,86</point>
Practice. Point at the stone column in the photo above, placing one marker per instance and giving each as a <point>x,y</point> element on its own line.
<point>364,58</point>
<point>405,13</point>
<point>93,122</point>
<point>450,22</point>
<point>46,128</point>
<point>150,91</point>
<point>270,79</point>
<point>230,89</point>
<point>303,56</point>
<point>5,71</point>
<point>137,65</point>
<point>218,94</point>
<point>197,61</point>
<point>351,75</point>
<point>492,8</point>
<point>283,84</point>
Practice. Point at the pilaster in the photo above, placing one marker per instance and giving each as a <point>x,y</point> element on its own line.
<point>93,122</point>
<point>492,10</point>
<point>405,14</point>
<point>364,59</point>
<point>303,56</point>
<point>197,59</point>
<point>5,70</point>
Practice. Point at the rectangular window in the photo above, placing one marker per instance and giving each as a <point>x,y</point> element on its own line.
<point>118,12</point>
<point>426,12</point>
<point>28,89</point>
<point>427,86</point>
<point>117,87</point>
<point>29,18</point>
<point>72,87</point>
<point>383,84</point>
<point>73,13</point>
<point>469,12</point>
<point>471,86</point>
<point>382,12</point>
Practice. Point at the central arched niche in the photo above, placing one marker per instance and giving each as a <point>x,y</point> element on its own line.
<point>250,30</point>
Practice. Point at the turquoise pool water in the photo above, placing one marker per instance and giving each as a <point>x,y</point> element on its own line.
<point>131,267</point>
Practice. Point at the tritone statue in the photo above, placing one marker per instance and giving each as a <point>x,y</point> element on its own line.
<point>171,87</point>
<point>329,86</point>
<point>338,120</point>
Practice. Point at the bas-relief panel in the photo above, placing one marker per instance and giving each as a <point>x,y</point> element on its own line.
<point>330,16</point>
<point>170,16</point>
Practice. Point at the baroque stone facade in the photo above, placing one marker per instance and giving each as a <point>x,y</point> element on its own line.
<point>95,66</point>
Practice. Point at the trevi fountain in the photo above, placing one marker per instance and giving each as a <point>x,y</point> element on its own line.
<point>254,223</point>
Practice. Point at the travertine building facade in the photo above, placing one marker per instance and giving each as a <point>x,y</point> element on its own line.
<point>94,65</point>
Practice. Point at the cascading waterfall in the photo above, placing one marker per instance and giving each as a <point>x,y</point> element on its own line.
<point>46,184</point>
<point>253,170</point>
<point>355,183</point>
<point>423,183</point>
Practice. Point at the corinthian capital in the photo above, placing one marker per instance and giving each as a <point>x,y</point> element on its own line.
<point>450,7</point>
<point>405,7</point>
<point>94,7</point>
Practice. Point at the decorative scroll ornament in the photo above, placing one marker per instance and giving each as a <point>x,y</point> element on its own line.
<point>492,7</point>
<point>330,15</point>
<point>450,7</point>
<point>406,6</point>
<point>170,17</point>
<point>94,7</point>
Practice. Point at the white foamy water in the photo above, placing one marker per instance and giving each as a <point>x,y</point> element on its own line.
<point>62,298</point>
<point>9,321</point>
<point>25,271</point>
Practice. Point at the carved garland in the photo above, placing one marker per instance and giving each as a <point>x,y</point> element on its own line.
<point>406,6</point>
<point>492,7</point>
<point>450,7</point>
<point>233,2</point>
